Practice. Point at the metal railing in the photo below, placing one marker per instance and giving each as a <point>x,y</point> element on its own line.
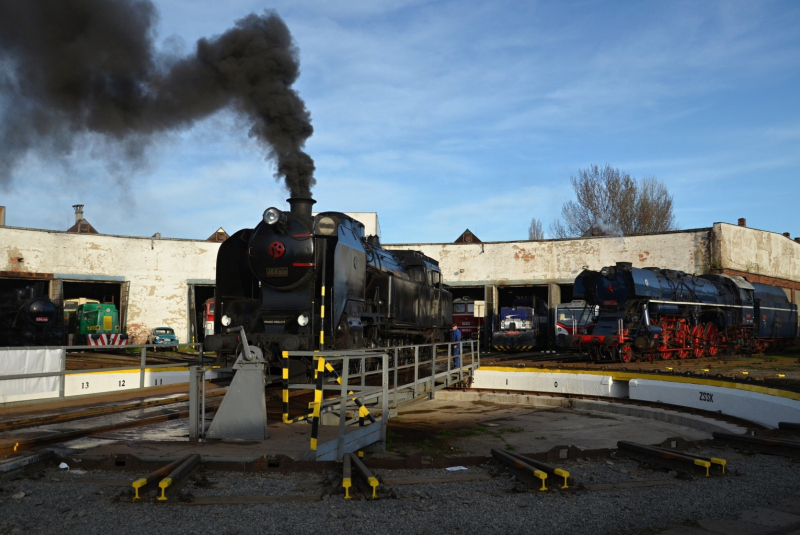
<point>62,372</point>
<point>355,392</point>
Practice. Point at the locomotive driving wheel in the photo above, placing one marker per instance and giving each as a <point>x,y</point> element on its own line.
<point>712,339</point>
<point>625,353</point>
<point>666,336</point>
<point>682,338</point>
<point>698,340</point>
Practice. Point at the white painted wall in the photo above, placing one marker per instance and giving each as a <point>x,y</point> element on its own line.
<point>757,251</point>
<point>158,269</point>
<point>562,260</point>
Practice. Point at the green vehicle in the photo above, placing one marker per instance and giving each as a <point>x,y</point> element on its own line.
<point>97,324</point>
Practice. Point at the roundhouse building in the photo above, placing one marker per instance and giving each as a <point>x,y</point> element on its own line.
<point>163,281</point>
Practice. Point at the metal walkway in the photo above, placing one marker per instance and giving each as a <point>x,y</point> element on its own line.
<point>354,390</point>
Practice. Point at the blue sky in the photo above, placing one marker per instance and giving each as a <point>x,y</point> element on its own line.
<point>447,115</point>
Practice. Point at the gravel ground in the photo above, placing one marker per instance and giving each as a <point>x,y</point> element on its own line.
<point>76,501</point>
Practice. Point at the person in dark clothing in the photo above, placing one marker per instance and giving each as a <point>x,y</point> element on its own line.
<point>456,337</point>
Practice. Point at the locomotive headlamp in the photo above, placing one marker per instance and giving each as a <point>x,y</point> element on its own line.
<point>226,320</point>
<point>272,216</point>
<point>326,226</point>
<point>302,320</point>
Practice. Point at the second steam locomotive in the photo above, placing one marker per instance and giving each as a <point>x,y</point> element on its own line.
<point>302,282</point>
<point>29,318</point>
<point>657,313</point>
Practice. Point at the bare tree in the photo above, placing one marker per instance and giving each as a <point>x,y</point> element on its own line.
<point>535,231</point>
<point>615,203</point>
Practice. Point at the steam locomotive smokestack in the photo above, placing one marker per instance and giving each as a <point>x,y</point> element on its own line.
<point>77,72</point>
<point>301,206</point>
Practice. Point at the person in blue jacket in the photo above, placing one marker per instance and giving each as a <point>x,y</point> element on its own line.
<point>456,337</point>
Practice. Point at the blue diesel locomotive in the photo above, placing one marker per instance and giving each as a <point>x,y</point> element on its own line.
<point>655,313</point>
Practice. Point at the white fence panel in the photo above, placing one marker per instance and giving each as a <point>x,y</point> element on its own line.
<point>19,361</point>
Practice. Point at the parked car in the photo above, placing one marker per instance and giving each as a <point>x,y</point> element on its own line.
<point>163,336</point>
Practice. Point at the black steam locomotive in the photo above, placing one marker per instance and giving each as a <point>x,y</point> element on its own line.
<point>657,313</point>
<point>27,318</point>
<point>303,282</point>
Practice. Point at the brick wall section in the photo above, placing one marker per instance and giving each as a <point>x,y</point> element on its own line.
<point>790,287</point>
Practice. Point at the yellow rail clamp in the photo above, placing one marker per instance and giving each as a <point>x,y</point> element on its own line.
<point>178,473</point>
<point>541,475</point>
<point>564,474</point>
<point>721,462</point>
<point>373,482</point>
<point>347,472</point>
<point>139,483</point>
<point>704,464</point>
<point>164,483</point>
<point>161,472</point>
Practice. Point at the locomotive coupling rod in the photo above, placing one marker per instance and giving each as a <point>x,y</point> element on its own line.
<point>180,472</point>
<point>161,472</point>
<point>550,470</point>
<point>777,446</point>
<point>521,469</point>
<point>347,479</point>
<point>666,458</point>
<point>372,481</point>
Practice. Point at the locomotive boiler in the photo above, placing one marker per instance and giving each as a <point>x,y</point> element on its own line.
<point>27,318</point>
<point>657,313</point>
<point>303,282</point>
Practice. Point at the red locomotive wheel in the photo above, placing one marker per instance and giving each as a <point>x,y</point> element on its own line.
<point>682,338</point>
<point>712,339</point>
<point>698,341</point>
<point>625,353</point>
<point>666,336</point>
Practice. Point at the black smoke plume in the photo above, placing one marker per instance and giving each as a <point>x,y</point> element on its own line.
<point>75,67</point>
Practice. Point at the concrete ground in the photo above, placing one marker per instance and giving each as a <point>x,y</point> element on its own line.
<point>474,427</point>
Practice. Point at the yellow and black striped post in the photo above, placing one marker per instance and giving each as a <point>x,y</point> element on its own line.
<point>322,319</point>
<point>285,393</point>
<point>363,412</point>
<point>317,403</point>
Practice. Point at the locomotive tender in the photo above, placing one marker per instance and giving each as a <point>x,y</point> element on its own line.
<point>661,313</point>
<point>27,318</point>
<point>303,282</point>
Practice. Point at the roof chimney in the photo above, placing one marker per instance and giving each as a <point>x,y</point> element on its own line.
<point>742,222</point>
<point>2,216</point>
<point>797,240</point>
<point>787,235</point>
<point>78,212</point>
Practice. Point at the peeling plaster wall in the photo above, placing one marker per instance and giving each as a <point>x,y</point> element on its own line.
<point>158,269</point>
<point>535,262</point>
<point>756,252</point>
